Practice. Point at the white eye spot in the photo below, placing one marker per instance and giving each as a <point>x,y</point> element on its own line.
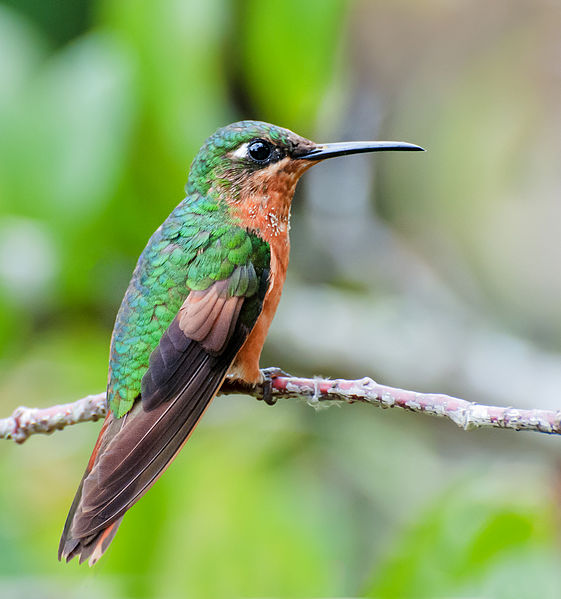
<point>241,152</point>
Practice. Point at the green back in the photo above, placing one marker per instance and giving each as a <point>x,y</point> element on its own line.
<point>198,244</point>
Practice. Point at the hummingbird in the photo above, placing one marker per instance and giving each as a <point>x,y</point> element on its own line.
<point>197,310</point>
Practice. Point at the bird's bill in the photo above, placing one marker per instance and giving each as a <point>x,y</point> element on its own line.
<point>323,151</point>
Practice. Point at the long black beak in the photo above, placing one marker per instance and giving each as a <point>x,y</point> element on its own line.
<point>323,151</point>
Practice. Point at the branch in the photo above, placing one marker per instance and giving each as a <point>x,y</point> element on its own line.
<point>25,422</point>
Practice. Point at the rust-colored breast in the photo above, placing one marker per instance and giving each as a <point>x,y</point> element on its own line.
<point>246,363</point>
<point>264,206</point>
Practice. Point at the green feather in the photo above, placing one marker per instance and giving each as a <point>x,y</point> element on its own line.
<point>197,245</point>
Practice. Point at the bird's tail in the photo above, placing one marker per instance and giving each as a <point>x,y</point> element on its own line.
<point>132,452</point>
<point>93,547</point>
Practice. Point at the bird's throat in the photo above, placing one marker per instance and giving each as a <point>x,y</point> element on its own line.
<point>264,197</point>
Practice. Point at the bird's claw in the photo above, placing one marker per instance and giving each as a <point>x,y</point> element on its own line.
<point>269,374</point>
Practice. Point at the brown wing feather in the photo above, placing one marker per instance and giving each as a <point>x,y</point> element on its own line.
<point>185,373</point>
<point>206,316</point>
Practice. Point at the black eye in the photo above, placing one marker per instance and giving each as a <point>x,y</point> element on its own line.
<point>260,150</point>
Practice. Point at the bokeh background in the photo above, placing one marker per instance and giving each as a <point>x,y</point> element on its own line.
<point>436,272</point>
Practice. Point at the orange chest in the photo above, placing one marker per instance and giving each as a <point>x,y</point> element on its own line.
<point>246,363</point>
<point>280,253</point>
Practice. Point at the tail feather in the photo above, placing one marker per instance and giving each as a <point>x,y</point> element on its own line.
<point>95,545</point>
<point>133,451</point>
<point>92,548</point>
<point>141,443</point>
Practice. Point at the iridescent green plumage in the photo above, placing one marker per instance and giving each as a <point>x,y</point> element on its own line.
<point>197,245</point>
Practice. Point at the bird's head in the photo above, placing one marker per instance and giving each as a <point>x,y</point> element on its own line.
<point>254,166</point>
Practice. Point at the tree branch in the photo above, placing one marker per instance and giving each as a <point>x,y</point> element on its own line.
<point>25,422</point>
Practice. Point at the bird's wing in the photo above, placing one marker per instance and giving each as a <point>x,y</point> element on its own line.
<point>185,372</point>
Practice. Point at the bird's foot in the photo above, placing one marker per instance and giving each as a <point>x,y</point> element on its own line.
<point>269,374</point>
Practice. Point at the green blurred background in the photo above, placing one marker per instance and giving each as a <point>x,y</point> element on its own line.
<point>437,272</point>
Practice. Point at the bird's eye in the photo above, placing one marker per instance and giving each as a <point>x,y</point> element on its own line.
<point>260,150</point>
